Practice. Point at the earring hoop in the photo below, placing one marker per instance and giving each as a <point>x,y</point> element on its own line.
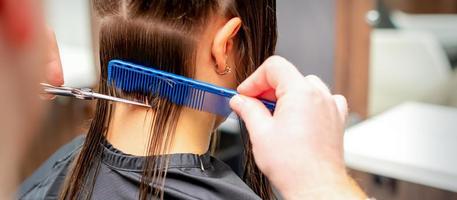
<point>227,70</point>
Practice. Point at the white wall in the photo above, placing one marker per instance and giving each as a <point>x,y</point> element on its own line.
<point>70,19</point>
<point>307,35</point>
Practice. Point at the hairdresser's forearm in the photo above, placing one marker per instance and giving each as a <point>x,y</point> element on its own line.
<point>338,187</point>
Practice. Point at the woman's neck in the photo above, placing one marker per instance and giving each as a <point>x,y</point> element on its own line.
<point>130,130</point>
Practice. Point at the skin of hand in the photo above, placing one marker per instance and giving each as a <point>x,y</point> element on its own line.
<point>28,56</point>
<point>53,66</point>
<point>300,146</point>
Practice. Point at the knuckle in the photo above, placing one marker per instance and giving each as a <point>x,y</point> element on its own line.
<point>340,100</point>
<point>316,81</point>
<point>314,92</point>
<point>340,97</point>
<point>276,58</point>
<point>276,62</point>
<point>313,78</point>
<point>304,92</point>
<point>301,87</point>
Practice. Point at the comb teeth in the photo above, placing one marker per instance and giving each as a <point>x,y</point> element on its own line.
<point>177,89</point>
<point>134,78</point>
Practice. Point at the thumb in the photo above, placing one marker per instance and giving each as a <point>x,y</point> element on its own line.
<point>252,111</point>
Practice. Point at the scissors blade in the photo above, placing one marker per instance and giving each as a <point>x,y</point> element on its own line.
<point>85,93</point>
<point>59,92</point>
<point>116,99</point>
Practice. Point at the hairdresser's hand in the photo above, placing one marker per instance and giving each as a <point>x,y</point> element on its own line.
<point>53,65</point>
<point>300,147</point>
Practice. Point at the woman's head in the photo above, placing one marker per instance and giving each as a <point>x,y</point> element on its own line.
<point>194,38</point>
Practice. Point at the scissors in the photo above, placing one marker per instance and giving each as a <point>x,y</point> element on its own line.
<point>85,94</point>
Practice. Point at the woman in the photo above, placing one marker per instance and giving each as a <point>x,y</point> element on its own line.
<point>162,152</point>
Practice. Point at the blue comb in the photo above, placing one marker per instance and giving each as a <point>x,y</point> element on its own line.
<point>178,89</point>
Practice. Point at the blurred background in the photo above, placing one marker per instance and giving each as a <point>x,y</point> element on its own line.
<point>395,61</point>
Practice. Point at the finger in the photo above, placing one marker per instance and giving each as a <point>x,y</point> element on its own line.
<point>276,73</point>
<point>269,95</point>
<point>318,83</point>
<point>47,96</point>
<point>53,69</point>
<point>252,112</point>
<point>342,106</point>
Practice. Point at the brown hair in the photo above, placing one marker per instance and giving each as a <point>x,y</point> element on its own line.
<point>164,34</point>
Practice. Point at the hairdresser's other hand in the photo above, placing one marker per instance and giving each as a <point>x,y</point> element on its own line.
<point>53,64</point>
<point>300,147</point>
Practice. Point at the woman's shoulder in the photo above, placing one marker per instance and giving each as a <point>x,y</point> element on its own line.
<point>212,180</point>
<point>188,177</point>
<point>47,179</point>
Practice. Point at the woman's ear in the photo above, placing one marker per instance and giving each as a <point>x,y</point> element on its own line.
<point>223,42</point>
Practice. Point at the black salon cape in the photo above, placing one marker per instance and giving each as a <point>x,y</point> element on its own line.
<point>120,175</point>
